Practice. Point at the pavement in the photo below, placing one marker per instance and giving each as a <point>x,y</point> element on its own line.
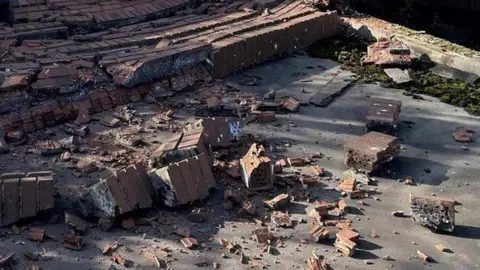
<point>425,129</point>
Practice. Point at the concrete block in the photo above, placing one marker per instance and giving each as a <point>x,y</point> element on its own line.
<point>433,212</point>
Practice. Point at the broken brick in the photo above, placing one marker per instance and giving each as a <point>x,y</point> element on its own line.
<point>298,161</point>
<point>422,256</point>
<point>128,223</point>
<point>281,219</point>
<point>345,246</point>
<point>291,104</point>
<point>216,131</point>
<point>263,117</point>
<point>462,134</point>
<point>433,212</point>
<point>74,242</point>
<point>279,202</point>
<point>83,117</point>
<point>109,248</point>
<point>317,170</point>
<point>15,136</point>
<point>76,223</point>
<point>382,116</point>
<point>369,152</point>
<point>342,206</point>
<point>86,166</point>
<point>319,233</point>
<point>257,169</point>
<point>231,248</point>
<point>348,184</point>
<point>50,148</point>
<point>348,234</point>
<point>316,263</point>
<point>110,122</point>
<point>387,53</point>
<point>36,234</point>
<point>441,248</point>
<point>117,258</point>
<point>189,242</point>
<point>262,235</point>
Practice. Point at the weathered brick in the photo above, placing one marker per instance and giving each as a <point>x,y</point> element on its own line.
<point>382,116</point>
<point>370,151</point>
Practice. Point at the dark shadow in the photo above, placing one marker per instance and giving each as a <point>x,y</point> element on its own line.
<point>354,211</point>
<point>364,255</point>
<point>465,231</point>
<point>367,245</point>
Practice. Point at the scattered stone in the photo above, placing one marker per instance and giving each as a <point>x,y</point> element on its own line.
<point>183,231</point>
<point>433,212</point>
<point>74,222</point>
<point>409,181</point>
<point>83,118</point>
<point>105,223</point>
<point>387,258</point>
<point>66,156</point>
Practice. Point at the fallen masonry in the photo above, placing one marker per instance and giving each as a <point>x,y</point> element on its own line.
<point>388,53</point>
<point>24,195</point>
<point>369,152</point>
<point>123,191</point>
<point>382,116</point>
<point>433,212</point>
<point>257,168</point>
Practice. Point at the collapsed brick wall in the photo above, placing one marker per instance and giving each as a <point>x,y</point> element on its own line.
<point>24,195</point>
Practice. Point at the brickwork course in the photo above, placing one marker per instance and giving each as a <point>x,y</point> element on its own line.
<point>67,51</point>
<point>24,195</point>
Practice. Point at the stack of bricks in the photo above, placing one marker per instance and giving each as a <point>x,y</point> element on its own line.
<point>24,195</point>
<point>382,116</point>
<point>124,191</point>
<point>369,152</point>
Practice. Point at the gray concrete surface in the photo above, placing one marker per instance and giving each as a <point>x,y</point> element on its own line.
<point>427,143</point>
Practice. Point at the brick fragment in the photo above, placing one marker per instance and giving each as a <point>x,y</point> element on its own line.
<point>348,234</point>
<point>189,242</point>
<point>345,246</point>
<point>317,263</point>
<point>441,248</point>
<point>433,212</point>
<point>319,233</point>
<point>281,219</point>
<point>74,242</point>
<point>369,152</point>
<point>262,235</point>
<point>462,134</point>
<point>74,222</point>
<point>110,122</point>
<point>117,258</point>
<point>279,202</point>
<point>422,256</point>
<point>257,169</point>
<point>36,234</point>
<point>215,129</point>
<point>263,117</point>
<point>382,116</point>
<point>291,104</point>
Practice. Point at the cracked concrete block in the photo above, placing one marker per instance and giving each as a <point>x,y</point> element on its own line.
<point>257,168</point>
<point>433,212</point>
<point>25,195</point>
<point>124,191</point>
<point>182,182</point>
<point>369,152</point>
<point>382,116</point>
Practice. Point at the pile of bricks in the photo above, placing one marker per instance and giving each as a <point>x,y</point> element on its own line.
<point>24,195</point>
